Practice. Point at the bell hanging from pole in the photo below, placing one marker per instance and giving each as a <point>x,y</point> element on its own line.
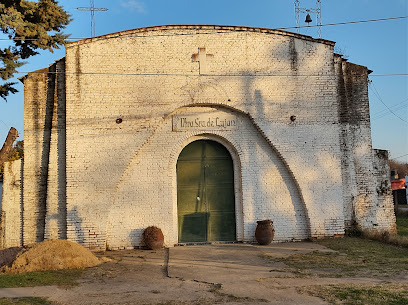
<point>308,18</point>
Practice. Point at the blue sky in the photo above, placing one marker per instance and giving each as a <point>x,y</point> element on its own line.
<point>381,46</point>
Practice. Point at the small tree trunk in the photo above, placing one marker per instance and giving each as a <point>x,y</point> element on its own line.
<point>8,145</point>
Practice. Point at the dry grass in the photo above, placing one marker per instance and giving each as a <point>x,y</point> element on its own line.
<point>355,257</point>
<point>391,294</point>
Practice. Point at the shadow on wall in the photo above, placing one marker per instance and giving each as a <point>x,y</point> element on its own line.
<point>301,212</point>
<point>135,237</point>
<point>75,221</point>
<point>193,226</point>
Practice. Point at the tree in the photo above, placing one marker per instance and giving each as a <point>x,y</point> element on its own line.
<point>400,167</point>
<point>9,152</point>
<point>30,25</point>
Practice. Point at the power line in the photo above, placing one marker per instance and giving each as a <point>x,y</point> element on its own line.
<point>386,112</point>
<point>217,32</point>
<point>394,107</point>
<point>4,124</point>
<point>399,157</point>
<point>187,75</point>
<point>394,74</point>
<point>380,99</point>
<point>343,23</point>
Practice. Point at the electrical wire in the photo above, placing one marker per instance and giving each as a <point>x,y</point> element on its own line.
<point>189,75</point>
<point>399,157</point>
<point>218,32</point>
<point>385,112</point>
<point>374,90</point>
<point>393,74</point>
<point>175,74</point>
<point>343,23</point>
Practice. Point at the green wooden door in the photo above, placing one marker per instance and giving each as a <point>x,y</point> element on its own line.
<point>205,193</point>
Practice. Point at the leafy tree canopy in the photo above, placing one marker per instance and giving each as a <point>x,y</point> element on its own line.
<point>30,25</point>
<point>16,153</point>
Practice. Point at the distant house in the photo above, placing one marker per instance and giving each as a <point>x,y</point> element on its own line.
<point>396,182</point>
<point>398,186</point>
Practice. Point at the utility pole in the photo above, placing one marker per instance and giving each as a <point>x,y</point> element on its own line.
<point>92,9</point>
<point>317,11</point>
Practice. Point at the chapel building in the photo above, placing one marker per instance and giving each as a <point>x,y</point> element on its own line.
<point>201,130</point>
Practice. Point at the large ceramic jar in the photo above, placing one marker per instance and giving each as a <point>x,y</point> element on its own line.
<point>264,232</point>
<point>153,238</point>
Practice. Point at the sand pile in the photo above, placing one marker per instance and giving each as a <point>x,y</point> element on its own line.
<point>52,255</point>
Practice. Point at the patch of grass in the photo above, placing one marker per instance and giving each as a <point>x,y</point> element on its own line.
<point>354,257</point>
<point>390,294</point>
<point>66,277</point>
<point>402,225</point>
<point>25,301</point>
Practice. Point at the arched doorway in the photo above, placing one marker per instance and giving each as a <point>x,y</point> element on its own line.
<point>205,193</point>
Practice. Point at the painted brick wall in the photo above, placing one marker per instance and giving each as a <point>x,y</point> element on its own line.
<point>10,221</point>
<point>35,181</point>
<point>55,220</point>
<point>117,77</point>
<point>44,167</point>
<point>383,214</point>
<point>105,182</point>
<point>363,171</point>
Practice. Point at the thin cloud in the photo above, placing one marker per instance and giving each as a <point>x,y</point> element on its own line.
<point>134,5</point>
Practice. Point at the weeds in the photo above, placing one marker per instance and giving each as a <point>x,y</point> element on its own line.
<point>25,301</point>
<point>400,239</point>
<point>391,294</point>
<point>66,277</point>
<point>402,225</point>
<point>354,257</point>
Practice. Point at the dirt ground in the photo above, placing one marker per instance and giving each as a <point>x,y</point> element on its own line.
<point>208,274</point>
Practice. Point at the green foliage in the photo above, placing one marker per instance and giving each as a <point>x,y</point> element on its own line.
<point>31,25</point>
<point>65,277</point>
<point>25,301</point>
<point>400,167</point>
<point>16,153</point>
<point>402,225</point>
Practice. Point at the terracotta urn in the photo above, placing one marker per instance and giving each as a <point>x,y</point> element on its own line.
<point>264,232</point>
<point>153,238</point>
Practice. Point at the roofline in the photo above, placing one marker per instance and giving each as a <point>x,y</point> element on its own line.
<point>41,70</point>
<point>209,27</point>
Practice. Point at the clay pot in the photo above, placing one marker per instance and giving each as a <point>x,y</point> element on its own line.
<point>264,232</point>
<point>153,238</point>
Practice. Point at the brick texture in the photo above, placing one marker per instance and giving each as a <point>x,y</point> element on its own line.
<point>105,179</point>
<point>10,216</point>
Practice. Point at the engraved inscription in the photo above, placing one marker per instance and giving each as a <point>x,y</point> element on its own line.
<point>202,122</point>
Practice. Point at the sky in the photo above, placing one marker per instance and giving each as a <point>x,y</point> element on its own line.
<point>381,46</point>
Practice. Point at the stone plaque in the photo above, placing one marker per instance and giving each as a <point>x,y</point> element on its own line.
<point>219,121</point>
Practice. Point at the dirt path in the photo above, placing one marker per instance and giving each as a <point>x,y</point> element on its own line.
<point>217,274</point>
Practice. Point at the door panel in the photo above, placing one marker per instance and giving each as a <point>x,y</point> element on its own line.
<point>193,227</point>
<point>219,172</point>
<point>221,226</point>
<point>192,174</point>
<point>205,193</point>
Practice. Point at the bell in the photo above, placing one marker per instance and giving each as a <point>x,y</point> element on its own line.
<point>308,18</point>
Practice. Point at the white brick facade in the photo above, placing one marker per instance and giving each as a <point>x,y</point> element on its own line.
<point>10,230</point>
<point>312,176</point>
